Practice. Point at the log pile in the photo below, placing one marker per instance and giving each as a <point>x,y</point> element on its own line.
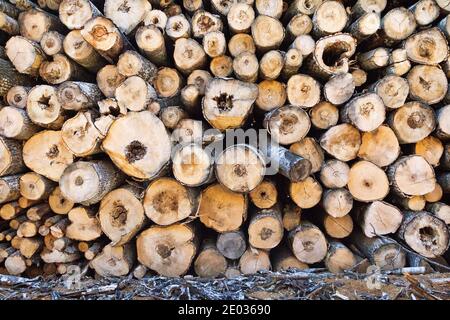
<point>112,113</point>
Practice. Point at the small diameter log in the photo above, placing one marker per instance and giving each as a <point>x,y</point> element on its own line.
<point>337,202</point>
<point>10,210</point>
<point>366,112</point>
<point>308,243</point>
<point>34,23</point>
<point>9,188</point>
<point>380,146</point>
<point>240,168</point>
<point>265,195</point>
<point>365,26</point>
<point>62,69</point>
<point>339,89</point>
<point>359,76</point>
<point>330,17</point>
<point>424,233</point>
<point>435,195</point>
<point>239,43</point>
<point>144,151</point>
<point>338,228</point>
<point>28,229</point>
<point>33,186</point>
<point>192,165</point>
<point>172,115</point>
<point>307,193</point>
<point>443,126</point>
<point>331,55</point>
<point>221,66</point>
<point>291,216</point>
<point>339,258</point>
<point>109,107</point>
<point>38,212</point>
<point>75,13</point>
<point>384,252</point>
<point>94,250</point>
<point>178,27</point>
<point>254,260</point>
<point>192,5</point>
<point>393,90</point>
<point>267,32</point>
<point>307,7</point>
<point>427,84</point>
<point>399,64</point>
<point>228,102</point>
<point>11,9</point>
<point>105,37</point>
<point>378,218</point>
<point>167,250</point>
<point>11,160</point>
<point>15,264</point>
<point>293,60</point>
<point>25,55</point>
<point>80,51</point>
<point>166,201</point>
<point>269,8</point>
<point>334,174</point>
<point>190,98</point>
<point>46,154</point>
<point>324,115</point>
<point>168,83</point>
<point>374,59</point>
<point>341,141</point>
<point>52,43</point>
<point>132,64</point>
<point>430,148</point>
<point>55,256</point>
<point>303,91</point>
<point>411,176</point>
<point>210,263</point>
<point>287,124</point>
<point>362,7</point>
<point>88,182</point>
<point>240,17</point>
<point>300,24</point>
<point>305,44</point>
<point>84,225</point>
<point>245,67</point>
<point>151,43</point>
<point>283,260</point>
<point>272,94</point>
<point>265,229</point>
<point>412,122</point>
<point>58,203</point>
<point>114,261</point>
<point>440,210</point>
<point>231,245</point>
<point>203,22</point>
<point>26,203</point>
<point>427,47</point>
<point>367,182</point>
<point>309,149</point>
<point>188,55</point>
<point>9,25</point>
<point>414,203</point>
<point>222,209</point>
<point>393,31</point>
<point>16,222</point>
<point>17,96</point>
<point>108,79</point>
<point>78,95</point>
<point>44,108</point>
<point>126,15</point>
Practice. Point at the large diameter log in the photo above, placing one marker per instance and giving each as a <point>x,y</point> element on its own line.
<point>339,89</point>
<point>384,252</point>
<point>342,142</point>
<point>9,188</point>
<point>166,201</point>
<point>210,263</point>
<point>411,176</point>
<point>167,250</point>
<point>126,15</point>
<point>427,84</point>
<point>11,160</point>
<point>330,17</point>
<point>114,261</point>
<point>254,260</point>
<point>265,229</point>
<point>135,94</point>
<point>222,209</point>
<point>308,243</point>
<point>412,122</point>
<point>378,218</point>
<point>144,151</point>
<point>287,124</point>
<point>427,47</point>
<point>395,31</point>
<point>228,102</point>
<point>424,233</point>
<point>393,90</point>
<point>44,108</point>
<point>46,154</point>
<point>366,112</point>
<point>34,23</point>
<point>331,55</point>
<point>80,51</point>
<point>84,225</point>
<point>75,13</point>
<point>88,182</point>
<point>25,55</point>
<point>380,146</point>
<point>367,182</point>
<point>188,55</point>
<point>240,168</point>
<point>231,245</point>
<point>339,258</point>
<point>240,17</point>
<point>192,165</point>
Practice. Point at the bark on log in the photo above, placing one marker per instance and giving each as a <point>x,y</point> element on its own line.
<point>308,243</point>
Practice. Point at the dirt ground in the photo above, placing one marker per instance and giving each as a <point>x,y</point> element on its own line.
<point>288,285</point>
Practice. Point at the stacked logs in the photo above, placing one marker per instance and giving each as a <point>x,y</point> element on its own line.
<point>113,112</point>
